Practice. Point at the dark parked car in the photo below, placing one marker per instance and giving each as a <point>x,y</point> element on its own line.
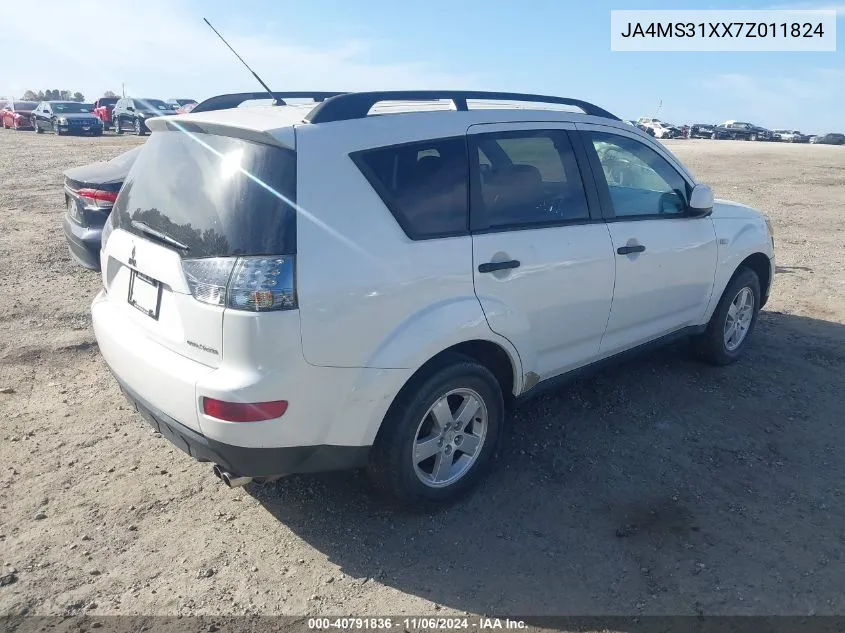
<point>745,131</point>
<point>705,130</point>
<point>66,117</point>
<point>17,115</point>
<point>90,192</point>
<point>834,138</point>
<point>131,113</point>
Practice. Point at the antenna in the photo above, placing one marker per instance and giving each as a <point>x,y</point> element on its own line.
<point>254,74</point>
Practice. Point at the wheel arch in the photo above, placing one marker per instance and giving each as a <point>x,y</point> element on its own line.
<point>503,362</point>
<point>762,266</point>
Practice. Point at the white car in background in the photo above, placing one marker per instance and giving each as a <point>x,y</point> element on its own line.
<point>658,128</point>
<point>791,136</point>
<point>298,288</point>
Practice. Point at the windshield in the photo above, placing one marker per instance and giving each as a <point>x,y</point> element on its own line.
<point>194,188</point>
<point>153,104</point>
<point>25,105</point>
<point>71,108</point>
<point>108,100</point>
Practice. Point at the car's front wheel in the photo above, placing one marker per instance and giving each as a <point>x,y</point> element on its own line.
<point>139,128</point>
<point>732,322</point>
<point>440,434</point>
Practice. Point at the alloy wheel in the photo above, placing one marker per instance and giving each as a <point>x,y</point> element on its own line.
<point>450,438</point>
<point>738,320</point>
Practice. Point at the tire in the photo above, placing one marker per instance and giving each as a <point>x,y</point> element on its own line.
<point>56,129</point>
<point>38,129</point>
<point>139,128</point>
<point>712,344</point>
<point>393,467</point>
<point>714,137</point>
<point>117,128</point>
<point>753,137</point>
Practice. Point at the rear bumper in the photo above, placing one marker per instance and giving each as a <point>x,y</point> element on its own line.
<point>331,421</point>
<point>246,461</point>
<point>83,242</point>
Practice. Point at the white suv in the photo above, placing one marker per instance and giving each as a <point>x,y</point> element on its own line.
<point>297,288</point>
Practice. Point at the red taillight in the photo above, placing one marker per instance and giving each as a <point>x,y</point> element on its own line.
<point>244,411</point>
<point>97,198</point>
<point>98,195</point>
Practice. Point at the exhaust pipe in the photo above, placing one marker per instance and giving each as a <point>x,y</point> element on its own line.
<point>233,481</point>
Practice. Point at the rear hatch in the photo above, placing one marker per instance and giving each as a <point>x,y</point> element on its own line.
<point>203,222</point>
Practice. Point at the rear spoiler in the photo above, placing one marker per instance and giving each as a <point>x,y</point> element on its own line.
<point>176,123</point>
<point>227,101</point>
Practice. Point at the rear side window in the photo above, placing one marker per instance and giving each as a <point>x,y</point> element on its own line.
<point>529,178</point>
<point>423,184</point>
<point>217,195</point>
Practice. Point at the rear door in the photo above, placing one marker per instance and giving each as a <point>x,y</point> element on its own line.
<point>192,209</point>
<point>665,259</point>
<point>542,256</point>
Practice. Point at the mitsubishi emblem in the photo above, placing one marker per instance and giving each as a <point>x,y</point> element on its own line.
<point>132,261</point>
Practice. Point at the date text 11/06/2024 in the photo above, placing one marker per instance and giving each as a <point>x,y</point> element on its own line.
<point>415,623</point>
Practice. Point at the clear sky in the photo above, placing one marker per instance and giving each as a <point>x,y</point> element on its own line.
<point>161,48</point>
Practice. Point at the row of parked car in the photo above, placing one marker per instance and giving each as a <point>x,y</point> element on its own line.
<point>124,114</point>
<point>735,130</point>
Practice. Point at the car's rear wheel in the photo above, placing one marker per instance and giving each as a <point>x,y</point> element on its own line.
<point>440,434</point>
<point>38,129</point>
<point>732,322</point>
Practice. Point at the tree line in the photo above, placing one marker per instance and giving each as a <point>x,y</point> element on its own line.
<point>59,95</point>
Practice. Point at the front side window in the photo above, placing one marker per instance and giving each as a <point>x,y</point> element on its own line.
<point>528,178</point>
<point>640,181</point>
<point>423,184</point>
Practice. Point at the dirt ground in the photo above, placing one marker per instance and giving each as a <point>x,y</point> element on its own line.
<point>663,486</point>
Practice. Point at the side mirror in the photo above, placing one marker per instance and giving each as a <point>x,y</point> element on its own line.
<point>700,201</point>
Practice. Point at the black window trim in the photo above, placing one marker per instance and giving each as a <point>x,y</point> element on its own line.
<point>479,225</point>
<point>608,212</point>
<point>387,197</point>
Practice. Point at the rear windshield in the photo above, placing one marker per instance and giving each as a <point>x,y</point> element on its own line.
<point>25,105</point>
<point>217,195</point>
<point>108,101</point>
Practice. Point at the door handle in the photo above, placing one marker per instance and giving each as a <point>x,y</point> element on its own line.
<point>490,267</point>
<point>627,250</point>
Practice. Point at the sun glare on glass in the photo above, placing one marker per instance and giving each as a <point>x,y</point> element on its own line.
<point>230,163</point>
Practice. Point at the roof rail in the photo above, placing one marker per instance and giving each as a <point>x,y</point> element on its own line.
<point>226,101</point>
<point>356,105</point>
